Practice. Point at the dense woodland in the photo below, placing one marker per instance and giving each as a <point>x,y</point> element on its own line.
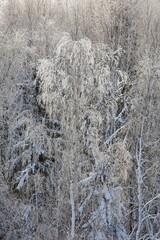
<point>80,120</point>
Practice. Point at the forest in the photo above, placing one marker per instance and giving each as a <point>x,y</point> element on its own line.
<point>79,120</point>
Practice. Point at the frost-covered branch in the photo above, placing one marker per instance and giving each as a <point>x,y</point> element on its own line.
<point>139,180</point>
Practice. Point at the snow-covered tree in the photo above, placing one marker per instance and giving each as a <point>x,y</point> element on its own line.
<point>82,88</point>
